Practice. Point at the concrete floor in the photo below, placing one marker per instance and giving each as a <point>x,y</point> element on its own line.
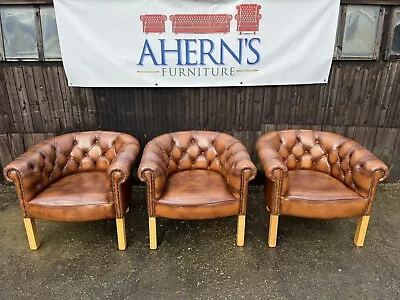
<point>315,259</point>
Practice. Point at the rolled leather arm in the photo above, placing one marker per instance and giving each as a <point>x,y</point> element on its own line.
<point>272,162</point>
<point>238,164</point>
<point>26,171</point>
<point>366,162</point>
<point>376,165</point>
<point>153,164</point>
<point>121,166</point>
<point>365,167</point>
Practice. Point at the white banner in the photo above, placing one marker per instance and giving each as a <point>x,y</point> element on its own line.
<point>166,43</point>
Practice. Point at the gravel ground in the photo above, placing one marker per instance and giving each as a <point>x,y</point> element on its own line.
<point>314,259</point>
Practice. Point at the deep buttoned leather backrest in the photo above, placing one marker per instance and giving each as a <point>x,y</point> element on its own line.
<point>191,150</point>
<point>80,152</point>
<point>87,151</point>
<point>63,155</point>
<point>312,150</point>
<point>195,150</point>
<point>326,152</point>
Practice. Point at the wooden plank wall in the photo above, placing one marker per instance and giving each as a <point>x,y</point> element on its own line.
<point>361,101</point>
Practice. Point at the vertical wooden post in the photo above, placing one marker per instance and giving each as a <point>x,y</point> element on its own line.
<point>30,228</point>
<point>153,233</point>
<point>240,230</point>
<point>39,34</point>
<point>361,231</point>
<point>273,230</point>
<point>121,233</point>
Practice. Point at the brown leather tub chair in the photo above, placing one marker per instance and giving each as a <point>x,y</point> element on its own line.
<point>320,175</point>
<point>75,177</point>
<point>196,175</point>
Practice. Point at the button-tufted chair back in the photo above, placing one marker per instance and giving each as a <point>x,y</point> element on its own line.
<point>195,150</point>
<point>325,152</point>
<point>69,154</point>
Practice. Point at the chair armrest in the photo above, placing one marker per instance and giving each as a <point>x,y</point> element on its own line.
<point>118,174</point>
<point>272,162</point>
<point>369,164</point>
<point>121,166</point>
<point>26,172</point>
<point>275,169</point>
<point>238,166</point>
<point>366,169</point>
<point>372,166</point>
<point>153,163</point>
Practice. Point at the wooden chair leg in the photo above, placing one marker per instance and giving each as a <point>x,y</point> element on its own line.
<point>361,231</point>
<point>240,230</point>
<point>30,228</point>
<point>121,233</point>
<point>273,230</point>
<point>153,233</point>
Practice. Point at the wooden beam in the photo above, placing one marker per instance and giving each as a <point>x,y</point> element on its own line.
<point>153,233</point>
<point>241,222</point>
<point>371,2</point>
<point>361,230</point>
<point>273,230</point>
<point>25,2</point>
<point>121,233</point>
<point>38,25</point>
<point>31,232</point>
<point>368,2</point>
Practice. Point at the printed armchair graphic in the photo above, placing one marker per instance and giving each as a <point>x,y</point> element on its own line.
<point>154,23</point>
<point>201,23</point>
<point>248,17</point>
<point>194,175</point>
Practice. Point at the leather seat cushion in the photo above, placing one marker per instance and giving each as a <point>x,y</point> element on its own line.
<point>314,194</point>
<point>196,194</point>
<point>78,197</point>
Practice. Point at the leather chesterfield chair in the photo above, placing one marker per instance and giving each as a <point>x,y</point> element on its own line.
<point>196,175</point>
<point>75,177</point>
<point>320,175</point>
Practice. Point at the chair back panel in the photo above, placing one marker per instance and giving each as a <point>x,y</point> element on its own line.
<point>325,152</point>
<point>195,150</point>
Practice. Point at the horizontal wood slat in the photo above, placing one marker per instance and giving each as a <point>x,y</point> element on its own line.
<point>371,2</point>
<point>380,2</point>
<point>361,101</point>
<point>25,2</point>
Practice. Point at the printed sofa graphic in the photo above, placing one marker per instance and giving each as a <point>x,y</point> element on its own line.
<point>201,23</point>
<point>248,17</point>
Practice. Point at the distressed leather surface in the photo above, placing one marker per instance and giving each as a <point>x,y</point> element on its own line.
<point>198,190</point>
<point>78,197</point>
<point>47,163</point>
<point>318,195</point>
<point>196,150</point>
<point>346,161</point>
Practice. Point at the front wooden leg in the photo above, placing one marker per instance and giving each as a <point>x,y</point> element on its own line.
<point>240,230</point>
<point>273,230</point>
<point>153,233</point>
<point>361,231</point>
<point>30,228</point>
<point>121,233</point>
